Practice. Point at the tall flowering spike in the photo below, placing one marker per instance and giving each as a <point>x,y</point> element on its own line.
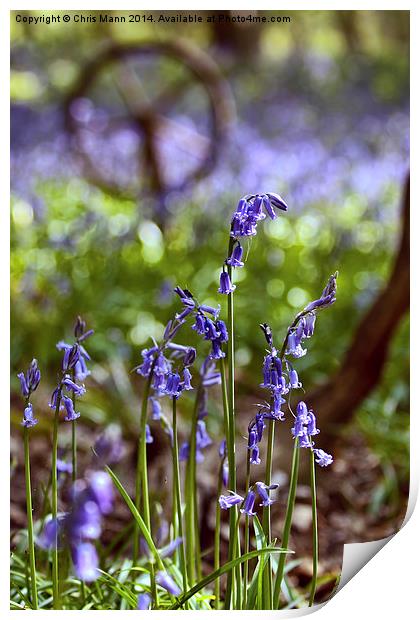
<point>226,286</point>
<point>227,501</point>
<point>248,506</point>
<point>166,582</point>
<point>28,417</point>
<point>85,560</point>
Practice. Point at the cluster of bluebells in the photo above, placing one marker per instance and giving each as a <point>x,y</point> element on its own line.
<point>167,366</point>
<point>280,378</point>
<point>247,503</point>
<point>251,209</point>
<point>29,381</point>
<point>92,498</point>
<point>74,369</point>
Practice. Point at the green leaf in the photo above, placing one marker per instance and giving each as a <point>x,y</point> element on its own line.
<point>224,569</point>
<point>137,517</point>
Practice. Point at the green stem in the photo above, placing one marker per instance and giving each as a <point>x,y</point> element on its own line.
<point>287,522</point>
<point>217,538</point>
<point>246,541</point>
<point>54,505</point>
<point>230,579</point>
<point>191,516</point>
<point>73,439</point>
<point>314,533</point>
<point>34,592</point>
<point>141,472</point>
<point>268,590</point>
<point>142,484</point>
<point>177,484</point>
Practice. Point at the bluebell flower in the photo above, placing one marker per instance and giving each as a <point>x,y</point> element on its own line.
<point>70,385</point>
<point>222,331</point>
<point>305,440</point>
<point>23,385</point>
<point>309,324</point>
<point>312,429</point>
<point>84,521</point>
<point>226,286</point>
<point>263,490</point>
<point>172,384</point>
<point>210,310</point>
<point>28,417</point>
<point>71,413</point>
<point>169,550</point>
<point>259,425</point>
<point>249,212</point>
<point>235,260</point>
<point>85,561</point>
<point>294,382</point>
<point>30,381</point>
<point>252,438</point>
<point>203,438</point>
<point>143,601</point>
<point>211,332</point>
<point>51,533</point>
<point>249,504</point>
<point>216,350</point>
<point>255,455</point>
<point>227,501</point>
<point>222,449</point>
<point>156,408</point>
<point>322,458</point>
<point>165,581</point>
<point>200,324</point>
<point>294,347</point>
<point>184,451</point>
<point>189,357</point>
<point>278,401</point>
<point>101,490</point>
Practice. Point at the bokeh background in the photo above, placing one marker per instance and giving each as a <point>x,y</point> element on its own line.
<point>131,144</point>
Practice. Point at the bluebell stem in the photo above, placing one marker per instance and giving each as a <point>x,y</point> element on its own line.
<point>227,501</point>
<point>166,582</point>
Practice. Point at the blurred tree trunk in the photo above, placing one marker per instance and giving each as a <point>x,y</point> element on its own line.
<point>336,401</point>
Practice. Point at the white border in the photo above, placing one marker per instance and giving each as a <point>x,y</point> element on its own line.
<point>388,585</point>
